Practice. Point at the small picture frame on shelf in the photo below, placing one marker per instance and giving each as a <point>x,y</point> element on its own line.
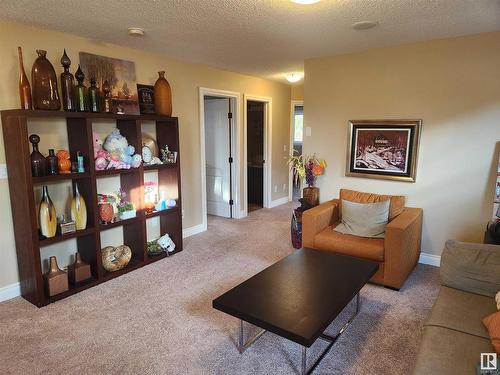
<point>146,99</point>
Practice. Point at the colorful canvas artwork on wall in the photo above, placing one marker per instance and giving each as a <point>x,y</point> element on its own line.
<point>385,149</point>
<point>120,75</point>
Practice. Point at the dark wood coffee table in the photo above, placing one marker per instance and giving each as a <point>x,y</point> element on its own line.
<point>298,298</point>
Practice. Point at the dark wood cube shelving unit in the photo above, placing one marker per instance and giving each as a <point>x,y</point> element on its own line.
<point>25,208</point>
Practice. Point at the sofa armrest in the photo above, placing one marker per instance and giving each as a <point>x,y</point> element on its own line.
<point>471,267</point>
<point>317,219</point>
<point>402,246</point>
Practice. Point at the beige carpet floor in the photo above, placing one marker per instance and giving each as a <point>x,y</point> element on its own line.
<point>159,319</point>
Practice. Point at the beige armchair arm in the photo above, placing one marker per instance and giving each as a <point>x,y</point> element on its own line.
<point>318,218</point>
<point>402,246</point>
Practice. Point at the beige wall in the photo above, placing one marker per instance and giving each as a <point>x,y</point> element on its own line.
<point>453,85</point>
<point>185,80</point>
<point>297,92</point>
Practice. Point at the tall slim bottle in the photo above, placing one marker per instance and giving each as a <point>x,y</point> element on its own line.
<point>24,85</point>
<point>78,210</point>
<point>67,85</point>
<point>94,101</point>
<point>80,91</point>
<point>47,215</point>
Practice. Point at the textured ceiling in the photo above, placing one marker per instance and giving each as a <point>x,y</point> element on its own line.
<point>265,38</point>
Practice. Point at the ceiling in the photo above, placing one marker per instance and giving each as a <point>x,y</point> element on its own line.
<point>265,38</point>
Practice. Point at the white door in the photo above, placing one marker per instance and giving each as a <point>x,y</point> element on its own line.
<point>217,142</point>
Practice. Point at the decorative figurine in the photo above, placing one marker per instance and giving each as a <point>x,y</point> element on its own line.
<point>78,210</point>
<point>24,85</point>
<point>47,215</point>
<point>162,96</point>
<point>166,243</point>
<point>67,85</point>
<point>120,110</point>
<point>80,91</point>
<point>167,156</point>
<point>64,162</point>
<point>38,161</point>
<point>44,81</point>
<point>56,280</point>
<point>79,271</point>
<point>52,162</point>
<point>115,258</point>
<point>106,213</point>
<point>106,90</point>
<point>94,97</point>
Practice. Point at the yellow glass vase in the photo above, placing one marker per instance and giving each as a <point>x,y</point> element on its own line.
<point>78,210</point>
<point>47,215</point>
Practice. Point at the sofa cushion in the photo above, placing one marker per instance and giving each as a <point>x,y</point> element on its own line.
<point>445,351</point>
<point>461,311</point>
<point>361,247</point>
<point>397,201</point>
<point>471,267</point>
<point>364,219</point>
<point>492,322</point>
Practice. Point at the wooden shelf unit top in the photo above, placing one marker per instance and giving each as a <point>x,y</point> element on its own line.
<point>85,115</point>
<point>15,126</point>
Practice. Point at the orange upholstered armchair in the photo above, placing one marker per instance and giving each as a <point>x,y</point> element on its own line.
<point>397,253</point>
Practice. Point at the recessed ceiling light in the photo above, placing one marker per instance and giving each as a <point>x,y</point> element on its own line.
<point>305,1</point>
<point>293,77</point>
<point>363,25</point>
<point>136,32</point>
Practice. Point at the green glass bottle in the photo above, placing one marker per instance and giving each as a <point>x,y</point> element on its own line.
<point>94,97</point>
<point>80,91</point>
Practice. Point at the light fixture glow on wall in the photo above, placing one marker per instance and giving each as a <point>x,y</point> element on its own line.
<point>305,1</point>
<point>293,77</point>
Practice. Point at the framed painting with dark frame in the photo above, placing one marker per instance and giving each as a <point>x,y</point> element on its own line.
<point>383,149</point>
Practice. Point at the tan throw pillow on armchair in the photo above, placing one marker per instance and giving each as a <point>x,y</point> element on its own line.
<point>364,220</point>
<point>492,323</point>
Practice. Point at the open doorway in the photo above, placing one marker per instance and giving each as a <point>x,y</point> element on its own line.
<point>296,140</point>
<point>219,140</point>
<point>218,156</point>
<point>257,132</point>
<point>255,155</point>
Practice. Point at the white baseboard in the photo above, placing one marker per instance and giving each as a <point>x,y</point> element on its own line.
<point>191,231</point>
<point>10,291</point>
<point>278,202</point>
<point>430,259</point>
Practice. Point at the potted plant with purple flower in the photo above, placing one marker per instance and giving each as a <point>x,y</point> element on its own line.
<point>305,170</point>
<point>126,209</point>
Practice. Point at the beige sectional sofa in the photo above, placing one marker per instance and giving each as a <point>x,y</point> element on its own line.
<point>454,335</point>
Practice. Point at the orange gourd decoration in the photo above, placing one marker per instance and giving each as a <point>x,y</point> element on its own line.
<point>317,170</point>
<point>63,161</point>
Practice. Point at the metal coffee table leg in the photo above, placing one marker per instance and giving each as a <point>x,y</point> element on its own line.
<point>303,365</point>
<point>330,339</point>
<point>244,345</point>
